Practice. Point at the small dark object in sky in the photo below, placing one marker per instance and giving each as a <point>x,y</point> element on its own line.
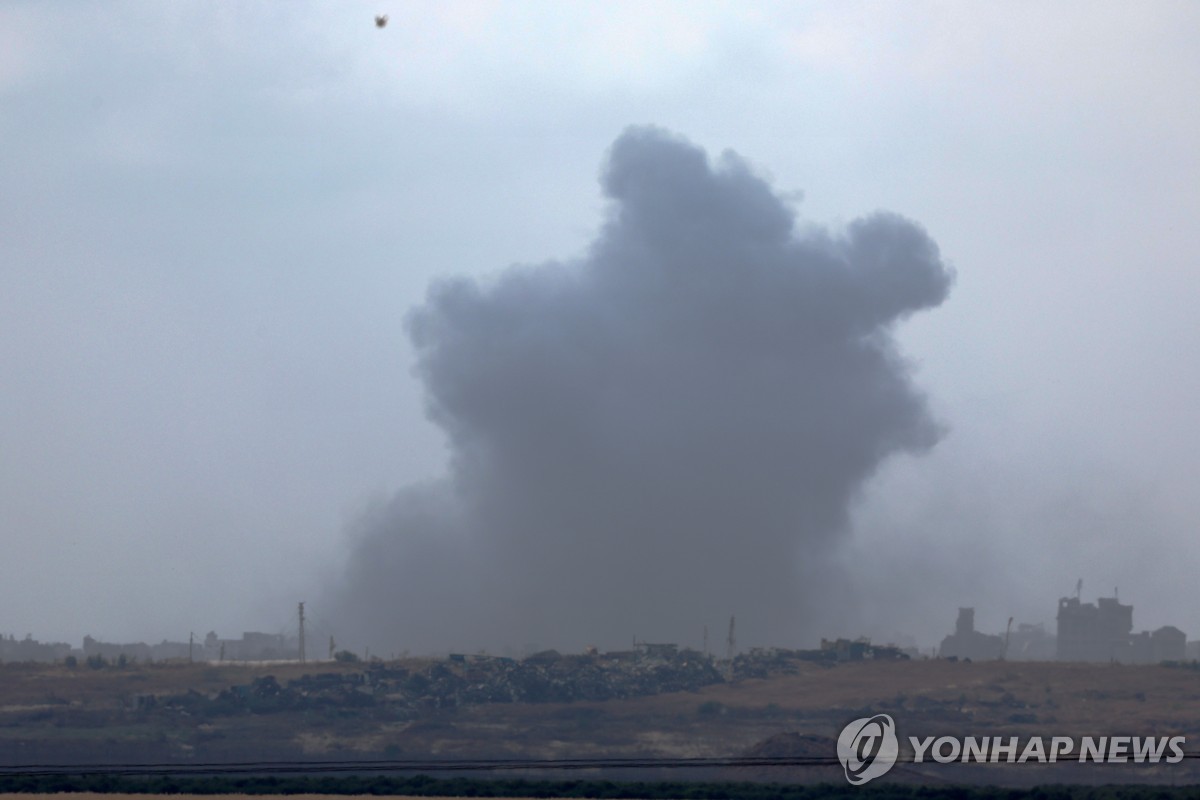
<point>380,20</point>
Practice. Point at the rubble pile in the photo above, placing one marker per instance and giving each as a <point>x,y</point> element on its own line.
<point>265,695</point>
<point>763,662</point>
<point>547,677</point>
<point>554,678</point>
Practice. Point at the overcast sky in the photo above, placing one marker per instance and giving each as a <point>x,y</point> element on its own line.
<point>216,217</point>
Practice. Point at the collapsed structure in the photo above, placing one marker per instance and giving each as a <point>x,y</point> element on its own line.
<point>1096,632</point>
<point>1103,631</point>
<point>966,642</point>
<point>251,647</point>
<point>30,649</point>
<point>1029,642</point>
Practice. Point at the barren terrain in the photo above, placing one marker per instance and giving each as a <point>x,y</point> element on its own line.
<point>52,714</point>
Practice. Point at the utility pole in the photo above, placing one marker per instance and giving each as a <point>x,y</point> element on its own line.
<point>331,648</point>
<point>191,643</point>
<point>302,633</point>
<point>730,647</point>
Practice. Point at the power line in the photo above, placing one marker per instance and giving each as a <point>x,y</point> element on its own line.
<point>440,765</point>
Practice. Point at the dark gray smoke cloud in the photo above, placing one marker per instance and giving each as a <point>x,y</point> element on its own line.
<point>667,431</point>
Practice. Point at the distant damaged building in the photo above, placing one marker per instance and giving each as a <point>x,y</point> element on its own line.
<point>1168,643</point>
<point>859,649</point>
<point>1029,642</point>
<point>29,649</point>
<point>1103,631</point>
<point>251,647</point>
<point>966,642</point>
<point>135,651</point>
<point>1094,631</point>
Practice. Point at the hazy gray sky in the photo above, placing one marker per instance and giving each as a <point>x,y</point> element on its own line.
<point>216,217</point>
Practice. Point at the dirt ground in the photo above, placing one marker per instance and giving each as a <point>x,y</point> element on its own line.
<point>97,796</point>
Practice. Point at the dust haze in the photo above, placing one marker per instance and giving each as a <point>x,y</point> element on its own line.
<point>665,431</point>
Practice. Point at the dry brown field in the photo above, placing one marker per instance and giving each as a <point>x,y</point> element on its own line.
<point>48,710</point>
<point>120,796</point>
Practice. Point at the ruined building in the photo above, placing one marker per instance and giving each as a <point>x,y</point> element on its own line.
<point>966,642</point>
<point>1029,642</point>
<point>251,647</point>
<point>1104,632</point>
<point>1094,632</point>
<point>30,649</point>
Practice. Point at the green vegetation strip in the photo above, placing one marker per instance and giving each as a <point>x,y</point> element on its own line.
<point>464,787</point>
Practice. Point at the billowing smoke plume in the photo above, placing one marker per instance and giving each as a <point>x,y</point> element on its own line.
<point>667,431</point>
